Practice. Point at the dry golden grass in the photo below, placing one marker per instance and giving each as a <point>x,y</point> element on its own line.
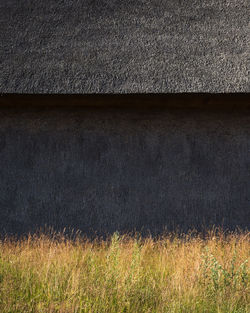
<point>50,273</point>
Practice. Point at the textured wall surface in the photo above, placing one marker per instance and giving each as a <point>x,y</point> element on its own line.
<point>123,46</point>
<point>123,169</point>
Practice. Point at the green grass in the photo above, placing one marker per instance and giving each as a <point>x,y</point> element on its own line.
<point>50,273</point>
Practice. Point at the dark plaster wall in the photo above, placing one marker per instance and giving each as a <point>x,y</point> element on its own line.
<point>106,169</point>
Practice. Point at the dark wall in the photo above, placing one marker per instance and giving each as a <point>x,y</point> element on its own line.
<point>106,169</point>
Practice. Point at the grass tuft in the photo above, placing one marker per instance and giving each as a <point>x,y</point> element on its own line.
<point>124,273</point>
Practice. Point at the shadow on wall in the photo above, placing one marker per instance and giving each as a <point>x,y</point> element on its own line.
<point>104,169</point>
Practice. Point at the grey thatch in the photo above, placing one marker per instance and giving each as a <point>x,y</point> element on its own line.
<point>115,46</point>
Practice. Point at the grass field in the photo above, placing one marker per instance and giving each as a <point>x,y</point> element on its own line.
<point>173,273</point>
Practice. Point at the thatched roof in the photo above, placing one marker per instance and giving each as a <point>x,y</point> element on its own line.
<point>123,46</point>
